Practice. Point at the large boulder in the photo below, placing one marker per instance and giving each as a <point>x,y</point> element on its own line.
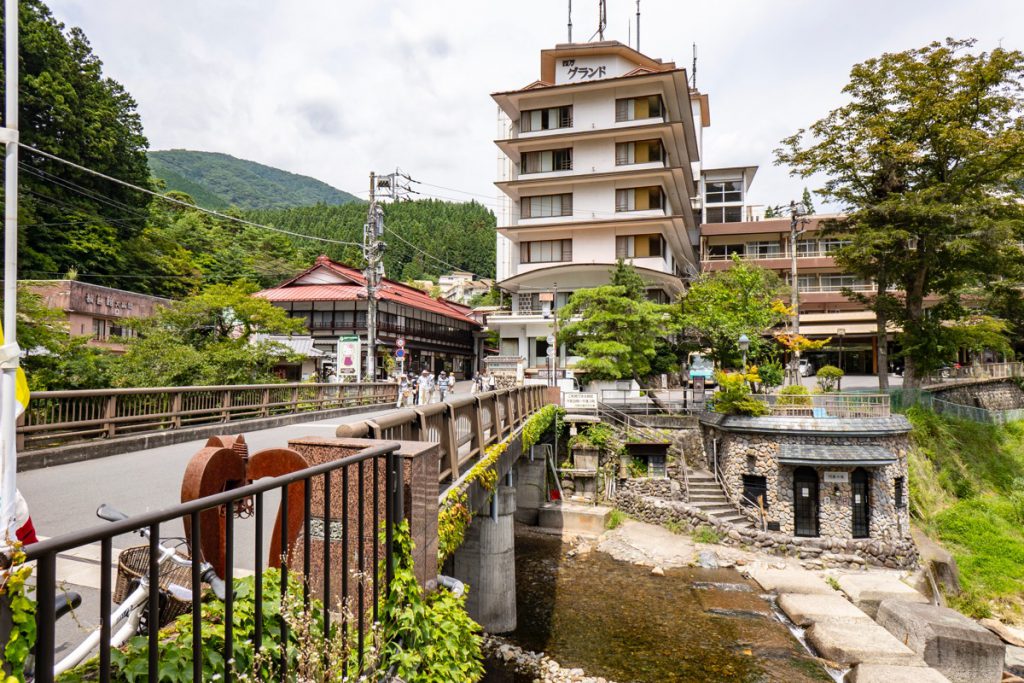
<point>939,561</point>
<point>947,640</point>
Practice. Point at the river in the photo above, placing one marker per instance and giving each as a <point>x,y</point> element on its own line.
<point>619,621</point>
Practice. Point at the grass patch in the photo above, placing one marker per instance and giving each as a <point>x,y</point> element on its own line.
<point>831,581</point>
<point>967,492</point>
<point>675,527</point>
<point>615,519</point>
<point>705,534</point>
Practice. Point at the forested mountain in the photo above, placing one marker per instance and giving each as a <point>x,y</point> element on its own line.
<point>424,238</point>
<point>217,181</point>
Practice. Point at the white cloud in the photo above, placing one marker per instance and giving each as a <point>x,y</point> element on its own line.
<point>333,89</point>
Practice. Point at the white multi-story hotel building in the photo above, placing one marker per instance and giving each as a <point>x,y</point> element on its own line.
<point>600,160</point>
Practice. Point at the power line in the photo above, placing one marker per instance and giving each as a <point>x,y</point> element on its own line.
<point>179,202</point>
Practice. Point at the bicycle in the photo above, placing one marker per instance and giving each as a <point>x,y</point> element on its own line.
<point>130,617</point>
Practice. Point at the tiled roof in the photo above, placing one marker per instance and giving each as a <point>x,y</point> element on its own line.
<point>302,345</point>
<point>839,455</point>
<point>390,290</point>
<point>858,426</point>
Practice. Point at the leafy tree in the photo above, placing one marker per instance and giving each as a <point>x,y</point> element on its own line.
<point>807,201</point>
<point>723,305</point>
<point>925,158</point>
<point>615,328</point>
<point>207,339</point>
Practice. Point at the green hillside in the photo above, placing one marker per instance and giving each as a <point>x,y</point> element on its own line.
<point>217,181</point>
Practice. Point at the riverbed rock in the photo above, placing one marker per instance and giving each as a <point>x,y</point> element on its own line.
<point>1014,661</point>
<point>947,640</point>
<point>707,559</point>
<point>867,589</point>
<point>805,610</point>
<point>1008,634</point>
<point>885,673</point>
<point>658,571</point>
<point>859,642</point>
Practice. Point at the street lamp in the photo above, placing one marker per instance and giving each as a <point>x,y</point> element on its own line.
<point>842,333</point>
<point>744,344</point>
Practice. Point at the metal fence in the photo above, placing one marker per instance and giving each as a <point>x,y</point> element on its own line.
<point>841,406</point>
<point>377,496</point>
<point>650,401</point>
<point>978,371</point>
<point>464,427</point>
<point>60,417</point>
<point>904,398</point>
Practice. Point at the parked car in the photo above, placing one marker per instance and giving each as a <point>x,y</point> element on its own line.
<point>806,367</point>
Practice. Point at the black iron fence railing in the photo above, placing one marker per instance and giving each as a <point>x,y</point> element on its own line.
<point>367,493</point>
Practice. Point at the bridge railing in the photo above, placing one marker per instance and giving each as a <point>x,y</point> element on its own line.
<point>967,373</point>
<point>56,418</point>
<point>464,427</point>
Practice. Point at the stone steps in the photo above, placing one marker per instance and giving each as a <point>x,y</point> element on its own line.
<point>707,494</point>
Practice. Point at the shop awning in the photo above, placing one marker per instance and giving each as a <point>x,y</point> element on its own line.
<point>835,455</point>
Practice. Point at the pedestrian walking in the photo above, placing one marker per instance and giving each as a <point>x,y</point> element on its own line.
<point>424,388</point>
<point>491,382</point>
<point>478,384</point>
<point>451,383</point>
<point>442,385</point>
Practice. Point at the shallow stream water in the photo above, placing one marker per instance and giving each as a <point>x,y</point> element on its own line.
<point>620,621</point>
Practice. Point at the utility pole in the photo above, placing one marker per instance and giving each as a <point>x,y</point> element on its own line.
<point>382,186</point>
<point>372,249</point>
<point>9,352</point>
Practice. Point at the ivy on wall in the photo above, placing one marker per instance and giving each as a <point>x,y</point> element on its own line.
<point>23,617</point>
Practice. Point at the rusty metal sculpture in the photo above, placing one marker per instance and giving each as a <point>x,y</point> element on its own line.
<point>224,463</point>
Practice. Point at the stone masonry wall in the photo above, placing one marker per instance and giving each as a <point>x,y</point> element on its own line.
<point>1004,395</point>
<point>820,551</point>
<point>757,454</point>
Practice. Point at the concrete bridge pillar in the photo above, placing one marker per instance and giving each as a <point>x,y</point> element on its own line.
<point>486,562</point>
<point>529,480</point>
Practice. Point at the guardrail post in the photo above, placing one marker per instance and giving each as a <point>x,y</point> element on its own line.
<point>478,425</point>
<point>449,431</point>
<point>225,404</point>
<point>295,399</point>
<point>176,410</point>
<point>109,414</point>
<point>265,403</point>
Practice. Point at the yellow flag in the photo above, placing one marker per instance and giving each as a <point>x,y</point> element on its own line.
<point>21,393</point>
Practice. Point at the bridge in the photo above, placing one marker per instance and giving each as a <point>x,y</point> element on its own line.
<point>440,443</point>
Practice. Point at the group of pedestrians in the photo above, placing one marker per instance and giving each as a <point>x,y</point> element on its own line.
<point>425,388</point>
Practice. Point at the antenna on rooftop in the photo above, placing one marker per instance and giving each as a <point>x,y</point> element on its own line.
<point>570,21</point>
<point>602,18</point>
<point>638,25</point>
<point>693,75</point>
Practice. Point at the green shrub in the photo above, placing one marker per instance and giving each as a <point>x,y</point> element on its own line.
<point>772,374</point>
<point>705,534</point>
<point>637,468</point>
<point>734,398</point>
<point>615,518</point>
<point>828,378</point>
<point>794,395</point>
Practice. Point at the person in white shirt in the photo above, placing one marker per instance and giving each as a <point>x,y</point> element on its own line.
<point>424,388</point>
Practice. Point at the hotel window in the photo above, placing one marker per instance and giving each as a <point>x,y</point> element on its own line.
<point>639,199</point>
<point>546,206</point>
<point>634,108</point>
<point>723,191</point>
<point>764,250</point>
<point>834,283</point>
<point>546,119</point>
<point>724,214</point>
<point>323,319</point>
<point>724,252</point>
<point>545,251</point>
<point>639,246</point>
<point>641,152</point>
<point>99,328</point>
<point>548,160</point>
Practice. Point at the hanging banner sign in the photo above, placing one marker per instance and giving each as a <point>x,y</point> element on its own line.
<point>350,356</point>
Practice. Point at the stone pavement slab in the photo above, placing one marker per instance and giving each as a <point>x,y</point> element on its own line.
<point>885,673</point>
<point>947,640</point>
<point>648,544</point>
<point>859,642</point>
<point>805,610</point>
<point>867,589</point>
<point>788,580</point>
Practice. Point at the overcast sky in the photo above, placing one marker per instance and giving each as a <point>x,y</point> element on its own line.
<point>334,89</point>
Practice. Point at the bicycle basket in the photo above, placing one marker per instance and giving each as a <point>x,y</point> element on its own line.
<point>134,564</point>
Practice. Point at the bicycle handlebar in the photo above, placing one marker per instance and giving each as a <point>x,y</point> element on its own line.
<point>208,573</point>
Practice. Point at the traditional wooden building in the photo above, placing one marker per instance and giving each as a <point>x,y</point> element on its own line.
<point>330,298</point>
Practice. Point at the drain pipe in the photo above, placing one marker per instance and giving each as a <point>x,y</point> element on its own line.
<point>451,584</point>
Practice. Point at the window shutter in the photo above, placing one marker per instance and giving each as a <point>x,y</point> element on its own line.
<point>622,200</point>
<point>622,247</point>
<point>621,110</point>
<point>524,252</point>
<point>567,204</point>
<point>567,250</point>
<point>622,153</point>
<point>524,211</point>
